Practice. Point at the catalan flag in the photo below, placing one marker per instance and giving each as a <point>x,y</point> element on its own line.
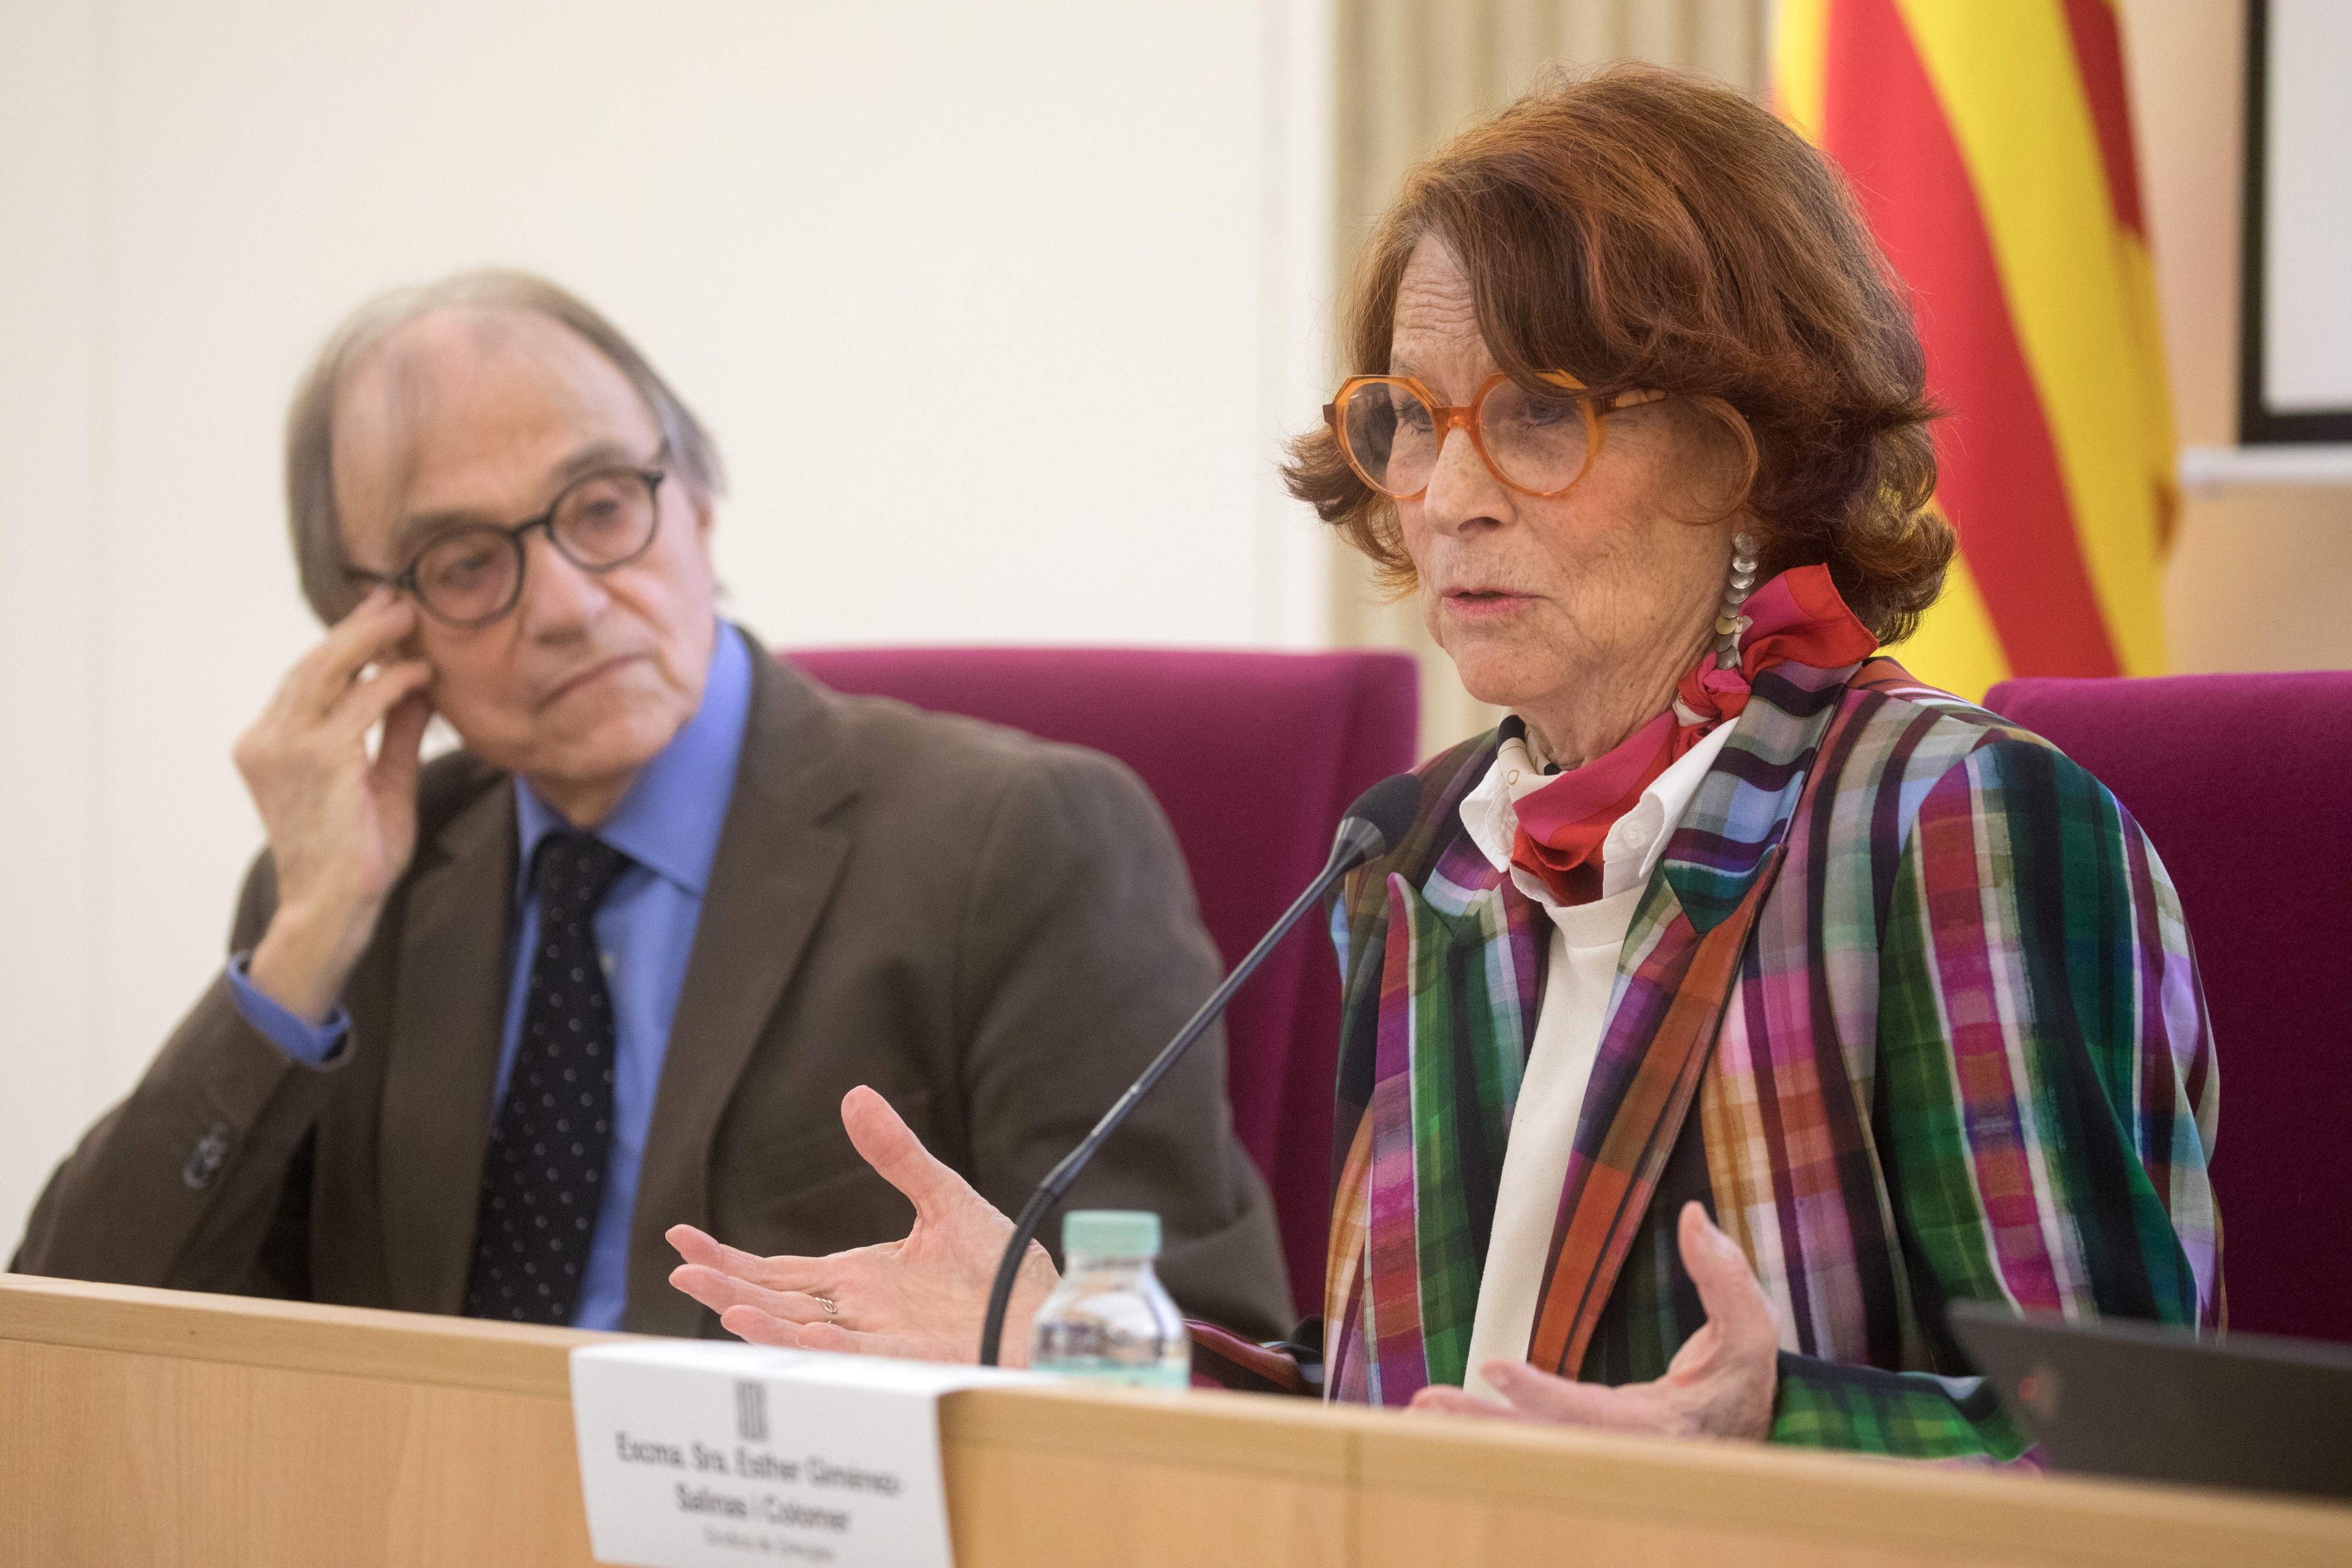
<point>1989,144</point>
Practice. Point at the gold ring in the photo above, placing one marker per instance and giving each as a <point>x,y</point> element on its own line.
<point>831,1311</point>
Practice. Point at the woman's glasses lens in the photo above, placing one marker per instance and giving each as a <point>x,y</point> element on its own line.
<point>1539,443</point>
<point>1536,443</point>
<point>1392,437</point>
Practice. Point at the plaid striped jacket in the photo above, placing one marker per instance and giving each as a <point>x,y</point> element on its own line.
<point>1908,1004</point>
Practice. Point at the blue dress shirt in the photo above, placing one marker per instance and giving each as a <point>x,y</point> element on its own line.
<point>668,825</point>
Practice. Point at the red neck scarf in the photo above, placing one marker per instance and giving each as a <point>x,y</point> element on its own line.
<point>1796,616</point>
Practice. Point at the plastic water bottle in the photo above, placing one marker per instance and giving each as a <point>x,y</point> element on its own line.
<point>1109,1319</point>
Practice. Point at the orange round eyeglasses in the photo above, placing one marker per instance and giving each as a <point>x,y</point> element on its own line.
<point>1392,430</point>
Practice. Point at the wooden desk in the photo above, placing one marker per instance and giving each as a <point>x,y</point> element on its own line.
<point>153,1428</point>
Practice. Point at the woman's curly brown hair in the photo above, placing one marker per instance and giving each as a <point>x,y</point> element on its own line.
<point>1645,229</point>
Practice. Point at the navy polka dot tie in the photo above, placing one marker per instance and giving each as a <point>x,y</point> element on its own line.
<point>542,1181</point>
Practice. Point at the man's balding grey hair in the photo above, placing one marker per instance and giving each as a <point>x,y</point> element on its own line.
<point>320,557</point>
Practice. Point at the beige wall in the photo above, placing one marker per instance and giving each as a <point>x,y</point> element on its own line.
<point>911,261</point>
<point>2261,577</point>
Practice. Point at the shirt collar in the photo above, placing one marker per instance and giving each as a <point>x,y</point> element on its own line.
<point>670,820</point>
<point>1634,846</point>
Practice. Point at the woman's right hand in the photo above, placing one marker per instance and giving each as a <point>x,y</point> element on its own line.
<point>923,1298</point>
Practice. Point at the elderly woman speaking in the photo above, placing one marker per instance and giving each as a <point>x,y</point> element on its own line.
<point>1739,1002</point>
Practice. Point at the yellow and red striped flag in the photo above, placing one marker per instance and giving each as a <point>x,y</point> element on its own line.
<point>1989,144</point>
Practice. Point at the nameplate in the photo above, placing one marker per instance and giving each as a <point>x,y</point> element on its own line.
<point>698,1454</point>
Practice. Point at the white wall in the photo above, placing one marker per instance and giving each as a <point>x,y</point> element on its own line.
<point>2307,209</point>
<point>2257,572</point>
<point>916,264</point>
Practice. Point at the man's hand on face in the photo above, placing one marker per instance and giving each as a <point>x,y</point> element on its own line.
<point>342,827</point>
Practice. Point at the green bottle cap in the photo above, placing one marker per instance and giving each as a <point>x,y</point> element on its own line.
<point>1110,1233</point>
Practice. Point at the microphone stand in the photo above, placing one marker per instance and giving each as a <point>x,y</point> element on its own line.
<point>1359,841</point>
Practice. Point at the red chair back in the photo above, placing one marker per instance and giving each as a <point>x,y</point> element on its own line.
<point>1254,756</point>
<point>2244,785</point>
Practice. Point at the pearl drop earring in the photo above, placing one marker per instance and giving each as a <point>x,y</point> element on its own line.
<point>1728,622</point>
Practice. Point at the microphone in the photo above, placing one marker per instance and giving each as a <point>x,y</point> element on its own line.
<point>1378,820</point>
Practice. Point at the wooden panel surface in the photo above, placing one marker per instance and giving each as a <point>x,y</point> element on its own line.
<point>146,1426</point>
<point>118,1457</point>
<point>1055,1478</point>
<point>1484,1496</point>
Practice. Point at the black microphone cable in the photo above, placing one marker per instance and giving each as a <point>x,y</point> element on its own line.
<point>1378,820</point>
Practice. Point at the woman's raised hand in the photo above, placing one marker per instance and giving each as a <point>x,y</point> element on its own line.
<point>923,1298</point>
<point>1721,1384</point>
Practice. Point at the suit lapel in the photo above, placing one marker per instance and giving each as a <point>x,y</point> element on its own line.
<point>779,856</point>
<point>1462,984</point>
<point>1676,973</point>
<point>442,1061</point>
<point>1662,1026</point>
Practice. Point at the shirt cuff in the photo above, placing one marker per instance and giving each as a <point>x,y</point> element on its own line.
<point>309,1043</point>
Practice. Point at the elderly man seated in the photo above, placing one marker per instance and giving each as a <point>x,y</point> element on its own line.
<point>494,1022</point>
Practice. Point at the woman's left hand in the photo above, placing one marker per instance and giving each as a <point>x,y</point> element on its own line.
<point>1721,1384</point>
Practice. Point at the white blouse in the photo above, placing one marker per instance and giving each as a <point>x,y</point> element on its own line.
<point>1581,972</point>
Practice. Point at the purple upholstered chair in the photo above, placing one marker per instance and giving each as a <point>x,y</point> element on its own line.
<point>1254,756</point>
<point>2244,785</point>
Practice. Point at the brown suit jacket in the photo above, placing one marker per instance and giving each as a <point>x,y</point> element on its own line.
<point>994,932</point>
